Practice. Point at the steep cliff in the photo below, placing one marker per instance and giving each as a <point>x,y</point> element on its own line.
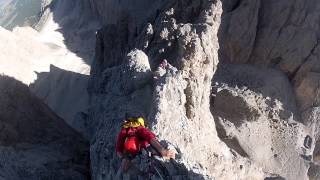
<point>239,98</point>
<point>282,35</point>
<point>34,142</point>
<point>177,104</point>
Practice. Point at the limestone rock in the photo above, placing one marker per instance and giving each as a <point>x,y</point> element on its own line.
<point>273,33</point>
<point>51,85</point>
<point>176,105</point>
<point>257,118</point>
<point>34,142</point>
<point>258,121</point>
<point>308,92</point>
<point>311,118</point>
<point>314,172</point>
<point>137,70</point>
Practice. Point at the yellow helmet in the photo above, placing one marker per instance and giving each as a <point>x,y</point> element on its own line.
<point>141,121</point>
<point>133,122</point>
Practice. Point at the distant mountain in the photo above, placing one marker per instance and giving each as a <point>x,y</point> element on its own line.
<point>19,13</point>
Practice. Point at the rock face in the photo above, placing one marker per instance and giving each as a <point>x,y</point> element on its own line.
<point>282,35</point>
<point>34,142</point>
<point>253,116</point>
<point>65,92</point>
<point>288,42</point>
<point>55,59</point>
<point>238,97</point>
<point>111,11</point>
<point>177,104</point>
<point>255,113</point>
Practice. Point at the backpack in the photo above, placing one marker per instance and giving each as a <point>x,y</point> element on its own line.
<point>132,144</point>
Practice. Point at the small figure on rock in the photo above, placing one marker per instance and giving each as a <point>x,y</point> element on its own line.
<point>133,138</point>
<point>307,142</point>
<point>162,69</point>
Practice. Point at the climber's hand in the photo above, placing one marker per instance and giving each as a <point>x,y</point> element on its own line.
<point>168,154</point>
<point>125,164</point>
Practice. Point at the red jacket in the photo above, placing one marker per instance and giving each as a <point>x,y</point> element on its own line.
<point>141,132</point>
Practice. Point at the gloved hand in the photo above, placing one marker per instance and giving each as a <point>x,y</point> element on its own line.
<point>168,154</point>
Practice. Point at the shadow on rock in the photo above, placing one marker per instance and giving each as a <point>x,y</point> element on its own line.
<point>34,142</point>
<point>65,92</point>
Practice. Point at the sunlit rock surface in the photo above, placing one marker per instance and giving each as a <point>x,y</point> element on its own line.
<point>238,98</point>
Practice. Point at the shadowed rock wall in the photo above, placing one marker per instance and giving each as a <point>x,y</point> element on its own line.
<point>34,142</point>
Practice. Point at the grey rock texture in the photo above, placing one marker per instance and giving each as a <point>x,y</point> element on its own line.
<point>238,99</point>
<point>34,142</point>
<point>312,120</point>
<point>282,35</point>
<point>275,33</point>
<point>256,119</point>
<point>177,105</point>
<point>61,83</point>
<point>256,116</point>
<point>285,36</point>
<point>111,11</point>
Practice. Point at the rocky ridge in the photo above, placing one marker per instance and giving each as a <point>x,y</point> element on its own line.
<point>237,75</point>
<point>239,98</point>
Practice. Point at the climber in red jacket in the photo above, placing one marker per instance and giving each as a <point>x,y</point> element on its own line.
<point>134,137</point>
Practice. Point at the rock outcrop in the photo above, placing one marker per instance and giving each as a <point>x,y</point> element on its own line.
<point>232,85</point>
<point>34,142</point>
<point>177,104</point>
<point>65,92</point>
<point>255,114</point>
<point>256,120</point>
<point>281,35</point>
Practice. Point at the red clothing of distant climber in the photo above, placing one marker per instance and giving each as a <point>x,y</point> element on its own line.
<point>141,132</point>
